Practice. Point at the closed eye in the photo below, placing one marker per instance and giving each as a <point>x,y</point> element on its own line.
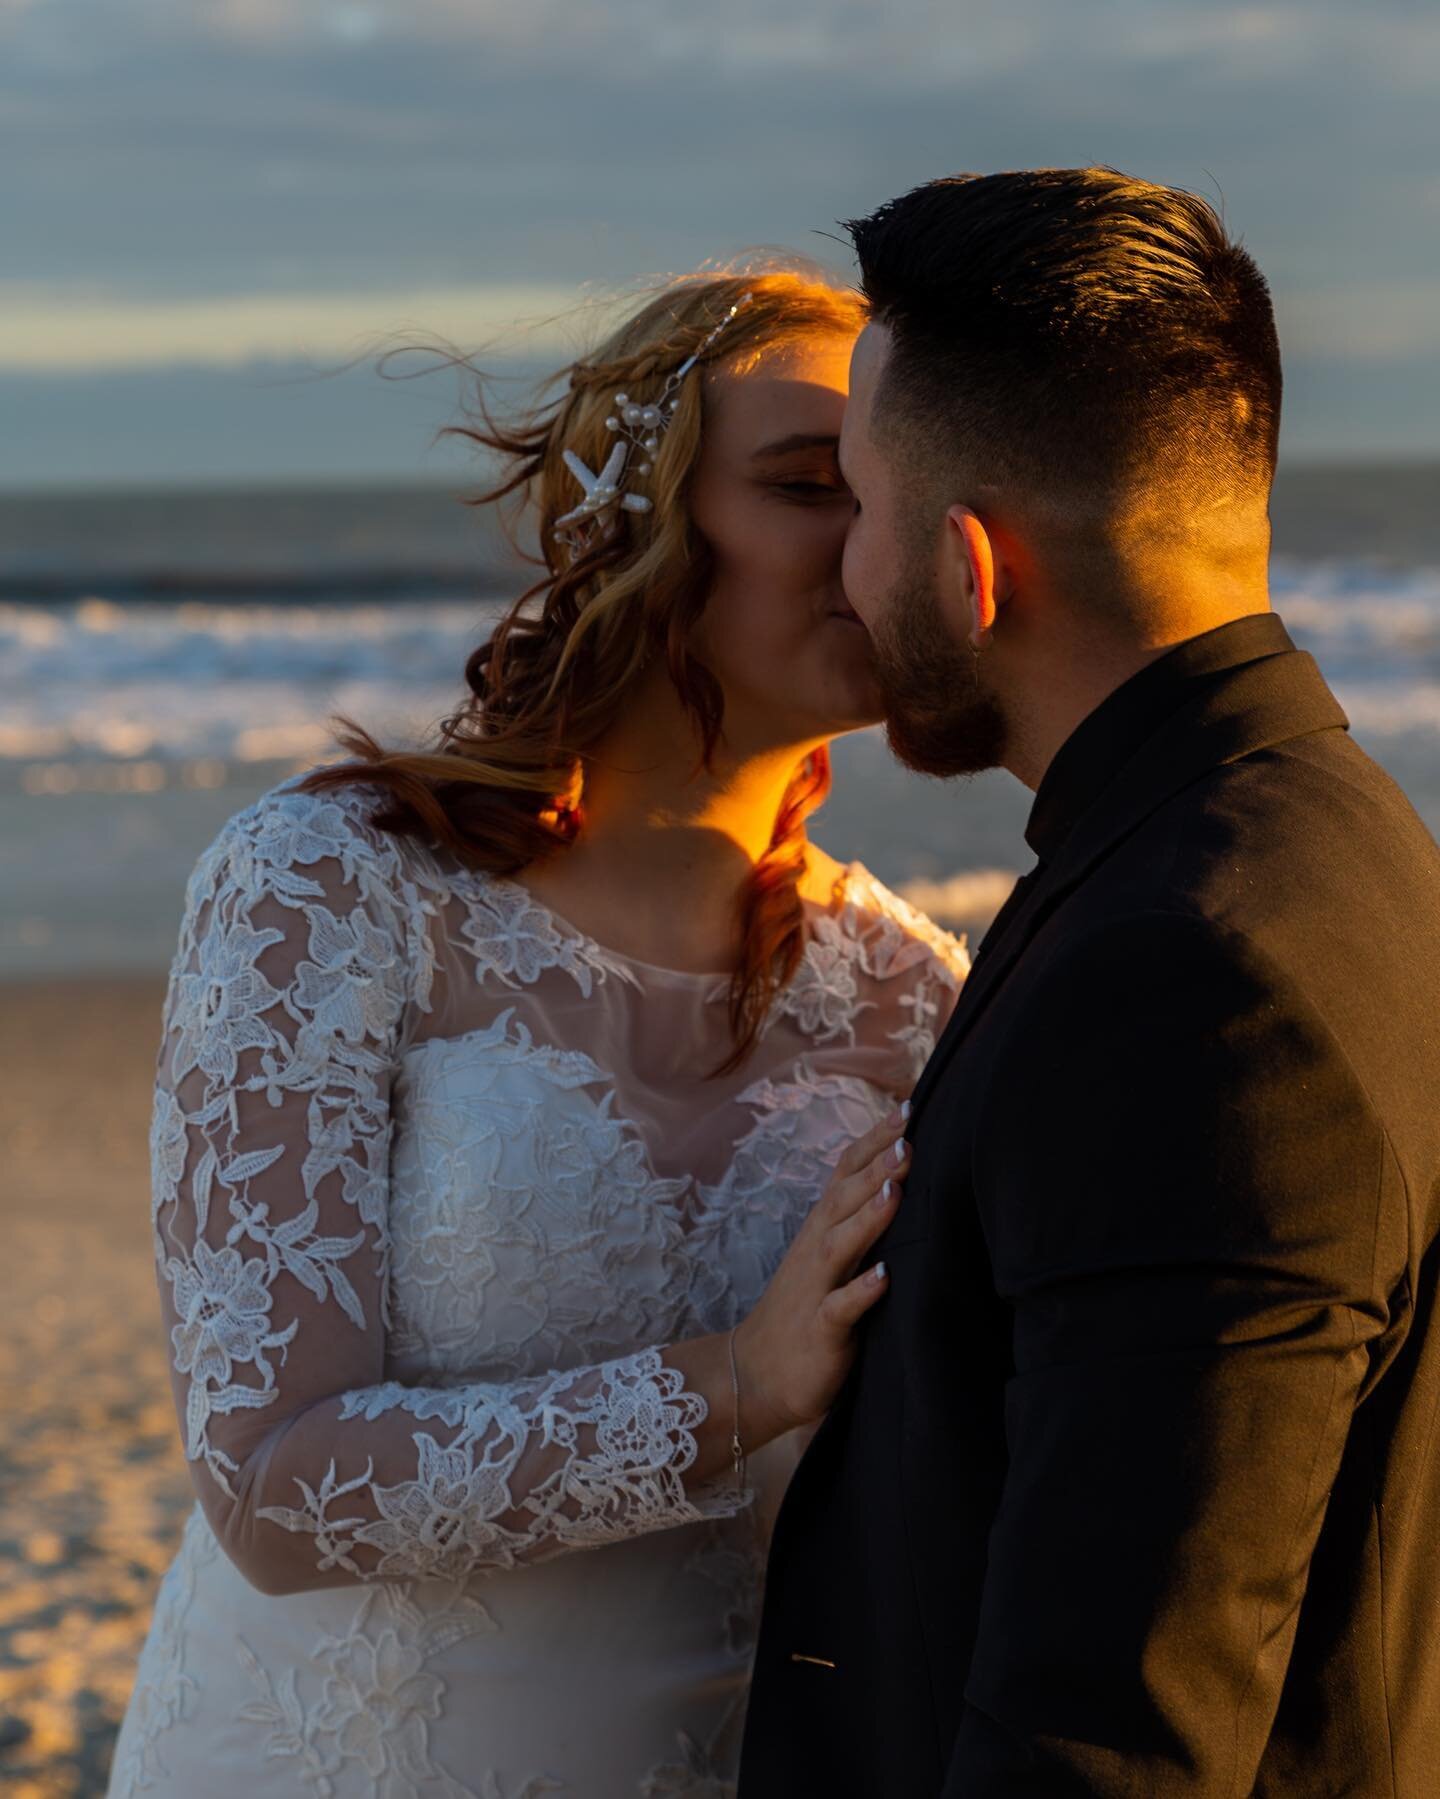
<point>810,490</point>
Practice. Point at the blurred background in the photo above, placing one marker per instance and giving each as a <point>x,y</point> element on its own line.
<point>219,523</point>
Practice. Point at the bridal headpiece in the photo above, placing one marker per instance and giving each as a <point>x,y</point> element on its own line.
<point>637,429</point>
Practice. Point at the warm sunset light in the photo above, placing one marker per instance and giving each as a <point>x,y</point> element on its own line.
<point>719,763</point>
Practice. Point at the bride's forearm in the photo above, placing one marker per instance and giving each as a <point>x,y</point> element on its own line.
<point>704,1365</point>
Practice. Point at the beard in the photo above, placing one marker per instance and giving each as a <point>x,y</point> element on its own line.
<point>939,717</point>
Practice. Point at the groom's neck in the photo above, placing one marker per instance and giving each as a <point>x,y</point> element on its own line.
<point>1074,657</point>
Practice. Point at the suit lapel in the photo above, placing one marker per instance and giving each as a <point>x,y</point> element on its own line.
<point>1240,712</point>
<point>1011,924</point>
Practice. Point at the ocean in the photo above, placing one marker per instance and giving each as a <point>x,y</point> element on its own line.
<point>166,656</point>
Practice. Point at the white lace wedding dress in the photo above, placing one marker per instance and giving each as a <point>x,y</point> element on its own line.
<point>436,1181</point>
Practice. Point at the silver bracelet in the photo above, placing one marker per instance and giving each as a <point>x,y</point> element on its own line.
<point>736,1448</point>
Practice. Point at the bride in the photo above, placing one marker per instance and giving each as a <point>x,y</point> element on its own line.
<point>525,1110</point>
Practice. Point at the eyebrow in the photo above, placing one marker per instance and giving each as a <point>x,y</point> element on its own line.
<point>800,440</point>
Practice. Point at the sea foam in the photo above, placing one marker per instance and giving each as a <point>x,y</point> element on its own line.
<point>95,679</point>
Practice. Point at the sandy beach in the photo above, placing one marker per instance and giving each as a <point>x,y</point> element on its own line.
<point>93,1489</point>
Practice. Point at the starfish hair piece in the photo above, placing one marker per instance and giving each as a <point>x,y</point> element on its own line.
<point>637,428</point>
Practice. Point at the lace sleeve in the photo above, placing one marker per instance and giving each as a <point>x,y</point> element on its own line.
<point>303,956</point>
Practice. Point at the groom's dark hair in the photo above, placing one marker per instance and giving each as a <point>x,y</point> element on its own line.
<point>1073,332</point>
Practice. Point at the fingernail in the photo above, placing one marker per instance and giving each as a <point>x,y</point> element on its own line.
<point>878,1271</point>
<point>905,1108</point>
<point>900,1150</point>
<point>883,1197</point>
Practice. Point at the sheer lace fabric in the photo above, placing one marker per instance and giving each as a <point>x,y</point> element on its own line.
<point>436,1181</point>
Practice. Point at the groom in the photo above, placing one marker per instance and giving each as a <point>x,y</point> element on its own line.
<point>1135,1487</point>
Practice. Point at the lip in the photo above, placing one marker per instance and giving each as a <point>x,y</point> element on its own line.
<point>847,615</point>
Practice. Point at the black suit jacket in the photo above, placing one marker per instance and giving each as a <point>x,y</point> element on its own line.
<point>1135,1487</point>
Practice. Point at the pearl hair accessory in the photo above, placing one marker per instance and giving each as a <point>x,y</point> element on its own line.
<point>638,429</point>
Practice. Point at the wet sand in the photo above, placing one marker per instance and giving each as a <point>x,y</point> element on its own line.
<point>93,1488</point>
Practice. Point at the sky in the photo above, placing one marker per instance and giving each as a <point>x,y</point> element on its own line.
<point>207,207</point>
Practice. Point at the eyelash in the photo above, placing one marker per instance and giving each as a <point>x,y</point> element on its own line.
<point>810,493</point>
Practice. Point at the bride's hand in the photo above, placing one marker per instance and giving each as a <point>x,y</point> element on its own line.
<point>794,1350</point>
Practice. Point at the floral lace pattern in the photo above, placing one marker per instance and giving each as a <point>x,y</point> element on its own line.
<point>580,1252</point>
<point>317,1051</point>
<point>514,938</point>
<point>421,1260</point>
<point>165,1692</point>
<point>378,1700</point>
<point>876,934</point>
<point>449,1519</point>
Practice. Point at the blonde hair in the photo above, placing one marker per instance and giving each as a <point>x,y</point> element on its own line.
<point>504,785</point>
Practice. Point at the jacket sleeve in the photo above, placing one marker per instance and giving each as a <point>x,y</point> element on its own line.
<point>1198,1223</point>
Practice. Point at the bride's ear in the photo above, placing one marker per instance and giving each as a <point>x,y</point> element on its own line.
<point>971,558</point>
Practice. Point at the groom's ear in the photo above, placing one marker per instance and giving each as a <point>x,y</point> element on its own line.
<point>970,556</point>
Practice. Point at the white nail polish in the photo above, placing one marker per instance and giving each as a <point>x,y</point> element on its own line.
<point>886,1192</point>
<point>878,1271</point>
<point>905,1108</point>
<point>900,1150</point>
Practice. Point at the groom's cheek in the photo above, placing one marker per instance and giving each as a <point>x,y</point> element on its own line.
<point>857,574</point>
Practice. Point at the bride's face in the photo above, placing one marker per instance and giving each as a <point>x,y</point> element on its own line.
<point>793,659</point>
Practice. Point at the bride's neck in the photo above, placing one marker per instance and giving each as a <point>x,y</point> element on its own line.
<point>664,849</point>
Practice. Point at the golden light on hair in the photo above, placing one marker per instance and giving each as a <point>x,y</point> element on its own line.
<point>504,786</point>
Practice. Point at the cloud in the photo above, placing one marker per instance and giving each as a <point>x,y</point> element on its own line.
<point>176,169</point>
<point>55,331</point>
<point>925,41</point>
<point>58,332</point>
